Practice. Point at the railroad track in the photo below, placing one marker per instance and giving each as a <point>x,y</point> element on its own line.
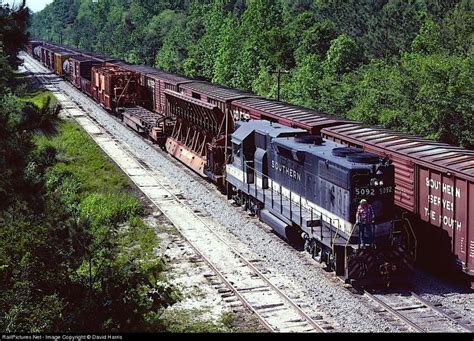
<point>238,275</point>
<point>409,312</point>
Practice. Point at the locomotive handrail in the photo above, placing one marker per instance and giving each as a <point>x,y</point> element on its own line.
<point>352,231</point>
<point>335,235</point>
<point>323,216</point>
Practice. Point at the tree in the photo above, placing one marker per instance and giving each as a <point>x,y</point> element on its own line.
<point>228,48</point>
<point>304,89</point>
<point>346,58</point>
<point>316,39</point>
<point>13,36</point>
<point>259,18</point>
<point>428,40</point>
<point>343,56</point>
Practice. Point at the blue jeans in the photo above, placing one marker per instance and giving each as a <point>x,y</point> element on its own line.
<point>366,235</point>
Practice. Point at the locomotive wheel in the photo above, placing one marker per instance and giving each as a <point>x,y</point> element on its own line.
<point>312,247</point>
<point>255,207</point>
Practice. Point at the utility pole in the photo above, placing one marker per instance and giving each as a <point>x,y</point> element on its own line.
<point>279,72</point>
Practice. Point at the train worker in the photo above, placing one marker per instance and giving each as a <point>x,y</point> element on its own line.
<point>365,217</point>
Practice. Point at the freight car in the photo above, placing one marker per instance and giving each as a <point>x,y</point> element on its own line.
<point>155,82</point>
<point>61,62</point>
<point>80,71</point>
<point>309,188</point>
<point>33,48</point>
<point>203,123</point>
<point>258,108</point>
<point>152,125</point>
<point>150,118</point>
<point>434,185</point>
<point>113,86</point>
<point>48,56</point>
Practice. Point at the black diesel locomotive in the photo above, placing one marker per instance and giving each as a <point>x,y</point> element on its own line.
<point>308,189</point>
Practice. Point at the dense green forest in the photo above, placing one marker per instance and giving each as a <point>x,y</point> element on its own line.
<point>405,65</point>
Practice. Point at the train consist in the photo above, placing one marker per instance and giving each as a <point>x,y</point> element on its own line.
<point>267,155</point>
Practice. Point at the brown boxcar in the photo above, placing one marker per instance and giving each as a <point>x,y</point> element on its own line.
<point>81,67</point>
<point>49,57</point>
<point>258,108</point>
<point>86,86</point>
<point>434,182</point>
<point>114,87</point>
<point>155,82</point>
<point>159,83</point>
<point>61,57</point>
<point>214,94</point>
<point>43,55</point>
<point>50,50</point>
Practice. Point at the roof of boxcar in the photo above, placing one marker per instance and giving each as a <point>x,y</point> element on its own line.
<point>172,78</point>
<point>154,73</point>
<point>62,51</point>
<point>65,49</point>
<point>431,153</point>
<point>300,116</point>
<point>144,69</point>
<point>216,91</point>
<point>82,58</point>
<point>51,48</point>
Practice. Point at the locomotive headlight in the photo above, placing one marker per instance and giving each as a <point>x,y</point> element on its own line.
<point>381,183</point>
<point>376,183</point>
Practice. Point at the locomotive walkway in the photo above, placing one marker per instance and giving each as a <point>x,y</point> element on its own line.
<point>239,276</point>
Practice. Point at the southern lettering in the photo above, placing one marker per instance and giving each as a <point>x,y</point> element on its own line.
<point>285,170</point>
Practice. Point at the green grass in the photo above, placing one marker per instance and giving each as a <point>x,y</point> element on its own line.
<point>192,321</point>
<point>39,98</point>
<point>80,156</point>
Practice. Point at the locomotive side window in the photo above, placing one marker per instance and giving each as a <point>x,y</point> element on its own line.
<point>236,149</point>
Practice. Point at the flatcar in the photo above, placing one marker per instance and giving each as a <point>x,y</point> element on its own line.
<point>203,124</point>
